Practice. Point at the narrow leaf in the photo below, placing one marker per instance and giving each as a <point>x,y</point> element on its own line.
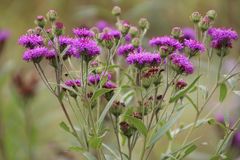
<point>137,123</point>
<point>99,93</point>
<point>64,126</point>
<point>223,92</point>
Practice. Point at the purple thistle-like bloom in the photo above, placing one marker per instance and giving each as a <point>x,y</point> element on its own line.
<point>102,24</point>
<point>4,35</point>
<point>189,33</point>
<point>181,63</point>
<point>83,32</point>
<point>222,37</point>
<point>35,54</point>
<point>194,46</point>
<point>143,58</point>
<point>125,49</point>
<point>73,83</point>
<point>87,47</point>
<point>115,33</point>
<point>93,79</point>
<point>30,41</point>
<point>50,54</point>
<point>128,38</point>
<point>67,42</point>
<point>110,85</point>
<point>167,41</point>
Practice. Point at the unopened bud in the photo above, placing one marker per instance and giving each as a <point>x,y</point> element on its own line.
<point>133,31</point>
<point>31,31</point>
<point>204,24</point>
<point>136,42</point>
<point>212,14</point>
<point>51,15</point>
<point>40,21</point>
<point>116,11</point>
<point>177,32</point>
<point>124,28</point>
<point>58,28</point>
<point>195,17</point>
<point>143,23</point>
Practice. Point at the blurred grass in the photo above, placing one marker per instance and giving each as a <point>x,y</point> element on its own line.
<point>18,15</point>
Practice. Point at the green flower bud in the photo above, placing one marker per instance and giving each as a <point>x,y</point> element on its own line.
<point>135,42</point>
<point>51,15</point>
<point>212,14</point>
<point>58,28</point>
<point>133,31</point>
<point>40,21</point>
<point>143,23</point>
<point>127,129</point>
<point>116,11</point>
<point>117,108</point>
<point>177,32</point>
<point>204,24</point>
<point>124,28</point>
<point>195,17</point>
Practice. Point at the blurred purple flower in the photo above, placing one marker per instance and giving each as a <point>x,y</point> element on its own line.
<point>83,32</point>
<point>73,83</point>
<point>189,33</point>
<point>125,49</point>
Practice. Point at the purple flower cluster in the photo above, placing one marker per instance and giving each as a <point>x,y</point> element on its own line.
<point>125,49</point>
<point>166,41</point>
<point>194,46</point>
<point>189,33</point>
<point>83,33</point>
<point>30,41</point>
<point>222,37</point>
<point>86,47</point>
<point>143,58</point>
<point>109,85</point>
<point>73,83</point>
<point>93,79</point>
<point>67,42</point>
<point>181,63</point>
<point>35,54</point>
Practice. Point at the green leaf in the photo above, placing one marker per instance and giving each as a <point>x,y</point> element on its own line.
<point>95,142</point>
<point>99,93</point>
<point>163,130</point>
<point>181,93</point>
<point>64,126</point>
<point>137,123</point>
<point>107,107</point>
<point>76,148</point>
<point>223,92</point>
<point>189,150</point>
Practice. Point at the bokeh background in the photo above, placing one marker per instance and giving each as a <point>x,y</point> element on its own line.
<point>50,141</point>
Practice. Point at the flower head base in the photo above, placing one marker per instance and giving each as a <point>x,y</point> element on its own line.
<point>35,54</point>
<point>166,41</point>
<point>30,41</point>
<point>87,48</point>
<point>83,33</point>
<point>194,47</point>
<point>222,37</point>
<point>125,49</point>
<point>143,59</point>
<point>181,64</point>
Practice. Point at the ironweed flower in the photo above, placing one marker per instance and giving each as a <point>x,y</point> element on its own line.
<point>125,49</point>
<point>83,33</point>
<point>30,41</point>
<point>35,54</point>
<point>73,83</point>
<point>102,24</point>
<point>181,84</point>
<point>181,64</point>
<point>117,108</point>
<point>194,47</point>
<point>143,59</point>
<point>189,33</point>
<point>170,43</point>
<point>222,37</point>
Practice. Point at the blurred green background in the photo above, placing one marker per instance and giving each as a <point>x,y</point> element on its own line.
<point>17,16</point>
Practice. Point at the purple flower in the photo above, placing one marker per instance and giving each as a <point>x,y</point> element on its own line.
<point>86,47</point>
<point>194,46</point>
<point>30,41</point>
<point>125,49</point>
<point>83,32</point>
<point>93,79</point>
<point>189,33</point>
<point>143,58</point>
<point>35,54</point>
<point>4,35</point>
<point>109,85</point>
<point>73,83</point>
<point>128,38</point>
<point>102,24</point>
<point>236,140</point>
<point>67,42</point>
<point>181,63</point>
<point>115,33</point>
<point>167,41</point>
<point>50,54</point>
<point>222,37</point>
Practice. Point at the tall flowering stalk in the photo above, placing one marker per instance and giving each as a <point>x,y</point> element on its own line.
<point>143,93</point>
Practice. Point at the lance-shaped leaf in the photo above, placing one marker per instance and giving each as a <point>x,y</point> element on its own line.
<point>137,123</point>
<point>223,92</point>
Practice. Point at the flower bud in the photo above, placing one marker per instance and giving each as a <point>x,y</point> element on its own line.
<point>126,129</point>
<point>40,21</point>
<point>51,15</point>
<point>124,28</point>
<point>163,51</point>
<point>180,84</point>
<point>133,31</point>
<point>195,17</point>
<point>31,31</point>
<point>117,108</point>
<point>135,42</point>
<point>204,24</point>
<point>143,23</point>
<point>58,28</point>
<point>212,14</point>
<point>116,11</point>
<point>137,115</point>
<point>177,32</point>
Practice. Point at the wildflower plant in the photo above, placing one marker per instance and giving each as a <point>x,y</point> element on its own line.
<point>143,92</point>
